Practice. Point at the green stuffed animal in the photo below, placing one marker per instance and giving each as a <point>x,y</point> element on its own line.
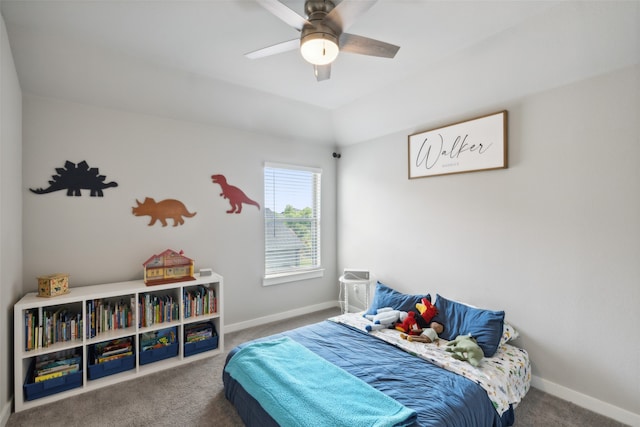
<point>465,347</point>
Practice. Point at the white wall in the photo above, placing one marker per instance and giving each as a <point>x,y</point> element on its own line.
<point>570,41</point>
<point>554,240</point>
<point>99,240</point>
<point>10,214</point>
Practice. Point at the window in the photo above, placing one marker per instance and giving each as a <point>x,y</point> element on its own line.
<point>291,223</point>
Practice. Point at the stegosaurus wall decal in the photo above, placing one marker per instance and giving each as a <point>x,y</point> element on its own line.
<point>74,178</point>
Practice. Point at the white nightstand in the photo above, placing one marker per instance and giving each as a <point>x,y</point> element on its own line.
<point>356,285</point>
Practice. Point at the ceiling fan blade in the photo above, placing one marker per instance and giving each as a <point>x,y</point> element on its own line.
<point>345,14</point>
<point>365,46</point>
<point>322,72</point>
<point>284,13</point>
<point>275,49</point>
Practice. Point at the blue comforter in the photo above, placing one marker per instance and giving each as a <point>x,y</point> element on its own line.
<point>301,389</point>
<point>440,397</point>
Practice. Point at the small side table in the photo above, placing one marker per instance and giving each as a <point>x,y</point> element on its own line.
<point>346,284</point>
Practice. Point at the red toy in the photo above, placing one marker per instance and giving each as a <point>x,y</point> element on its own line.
<point>409,325</point>
<point>427,310</point>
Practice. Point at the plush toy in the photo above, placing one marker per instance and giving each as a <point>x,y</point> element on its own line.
<point>427,312</point>
<point>409,325</point>
<point>465,347</point>
<point>384,318</point>
<point>427,336</point>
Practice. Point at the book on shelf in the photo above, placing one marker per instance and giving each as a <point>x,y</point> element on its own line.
<point>112,350</point>
<point>48,361</point>
<point>199,337</point>
<point>114,357</point>
<point>47,326</point>
<point>56,365</point>
<point>155,309</point>
<point>199,332</point>
<point>114,346</point>
<point>70,369</point>
<point>106,315</point>
<point>157,339</point>
<point>199,301</point>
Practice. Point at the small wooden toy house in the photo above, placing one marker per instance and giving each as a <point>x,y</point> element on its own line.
<point>167,267</point>
<point>53,285</point>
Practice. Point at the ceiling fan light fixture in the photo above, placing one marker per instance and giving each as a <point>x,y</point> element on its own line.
<point>319,48</point>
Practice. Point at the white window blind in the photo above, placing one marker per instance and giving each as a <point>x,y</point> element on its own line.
<point>291,219</point>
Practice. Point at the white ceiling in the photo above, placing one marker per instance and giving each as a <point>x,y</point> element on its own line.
<point>184,59</point>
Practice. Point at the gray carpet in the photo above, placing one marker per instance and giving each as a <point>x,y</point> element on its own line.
<point>192,395</point>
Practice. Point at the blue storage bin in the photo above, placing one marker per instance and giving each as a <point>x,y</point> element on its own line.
<point>157,354</point>
<point>167,336</point>
<point>200,330</point>
<point>34,391</point>
<point>100,370</point>
<point>200,346</point>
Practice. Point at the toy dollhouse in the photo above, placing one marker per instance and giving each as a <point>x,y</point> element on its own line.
<point>168,267</point>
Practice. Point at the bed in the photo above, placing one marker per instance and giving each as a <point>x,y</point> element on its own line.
<point>335,372</point>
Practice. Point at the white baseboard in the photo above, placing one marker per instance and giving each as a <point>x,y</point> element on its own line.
<point>5,413</point>
<point>587,402</point>
<point>234,327</point>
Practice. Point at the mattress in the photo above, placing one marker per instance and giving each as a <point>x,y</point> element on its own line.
<point>434,391</point>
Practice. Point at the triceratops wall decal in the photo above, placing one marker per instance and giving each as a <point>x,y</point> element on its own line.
<point>162,210</point>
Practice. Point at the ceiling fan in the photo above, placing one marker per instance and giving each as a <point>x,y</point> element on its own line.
<point>322,34</point>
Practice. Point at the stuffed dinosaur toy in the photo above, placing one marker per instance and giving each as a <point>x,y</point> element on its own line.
<point>384,318</point>
<point>466,348</point>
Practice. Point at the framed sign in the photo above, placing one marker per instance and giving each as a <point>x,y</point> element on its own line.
<point>473,145</point>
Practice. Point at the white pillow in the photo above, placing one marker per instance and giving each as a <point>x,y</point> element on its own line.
<point>508,333</point>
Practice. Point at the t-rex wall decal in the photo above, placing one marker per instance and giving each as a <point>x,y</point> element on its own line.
<point>162,210</point>
<point>75,178</point>
<point>235,195</point>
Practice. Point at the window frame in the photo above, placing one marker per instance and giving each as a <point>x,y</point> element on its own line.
<point>296,274</point>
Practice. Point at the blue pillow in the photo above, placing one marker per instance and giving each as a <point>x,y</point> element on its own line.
<point>486,326</point>
<point>387,297</point>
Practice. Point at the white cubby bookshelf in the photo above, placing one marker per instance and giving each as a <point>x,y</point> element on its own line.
<point>76,301</point>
